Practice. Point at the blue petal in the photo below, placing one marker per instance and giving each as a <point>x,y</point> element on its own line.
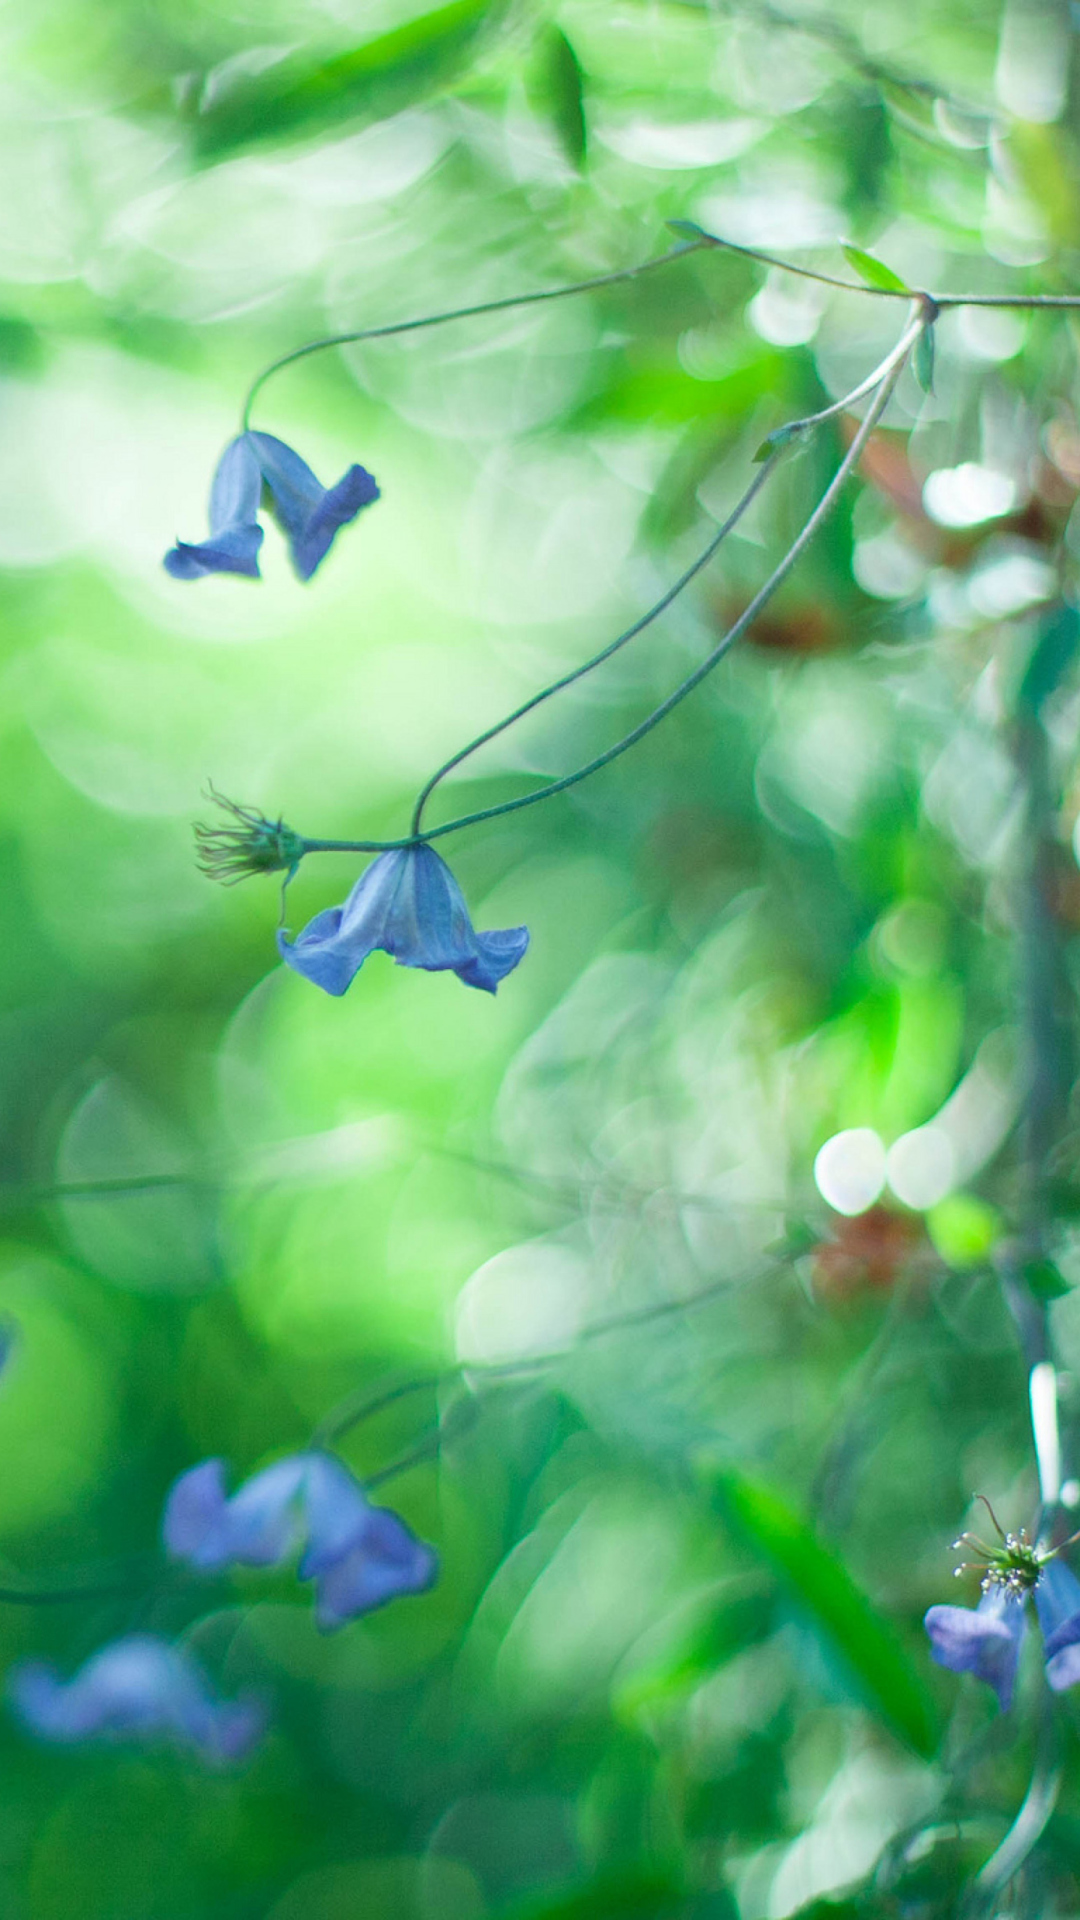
<point>139,1686</point>
<point>985,1642</point>
<point>1057,1601</point>
<point>235,536</point>
<point>387,1562</point>
<point>497,954</point>
<point>235,551</point>
<point>257,1527</point>
<point>236,489</point>
<point>336,1511</point>
<point>409,905</point>
<point>308,513</point>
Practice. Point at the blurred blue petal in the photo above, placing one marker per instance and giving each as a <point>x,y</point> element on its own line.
<point>1057,1602</point>
<point>984,1641</point>
<point>308,513</point>
<point>359,1556</point>
<point>139,1687</point>
<point>335,1509</point>
<point>385,1561</point>
<point>235,536</point>
<point>409,905</point>
<point>257,1527</point>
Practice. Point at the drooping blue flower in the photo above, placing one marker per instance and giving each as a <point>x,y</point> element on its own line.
<point>140,1688</point>
<point>409,905</point>
<point>257,467</point>
<point>986,1640</point>
<point>359,1556</point>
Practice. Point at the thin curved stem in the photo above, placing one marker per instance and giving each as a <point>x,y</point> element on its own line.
<point>631,632</point>
<point>888,376</point>
<point>786,266</point>
<point>460,313</point>
<point>1036,1809</point>
<point>790,431</point>
<point>937,300</point>
<point>700,241</point>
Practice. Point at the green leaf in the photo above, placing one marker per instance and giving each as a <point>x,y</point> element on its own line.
<point>865,1640</point>
<point>923,359</point>
<point>365,84</point>
<point>557,89</point>
<point>874,272</point>
<point>686,229</point>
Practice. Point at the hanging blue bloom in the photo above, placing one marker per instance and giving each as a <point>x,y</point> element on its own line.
<point>141,1688</point>
<point>359,1556</point>
<point>986,1640</point>
<point>254,467</point>
<point>409,905</point>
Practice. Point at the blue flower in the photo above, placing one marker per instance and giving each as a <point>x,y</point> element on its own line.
<point>359,1556</point>
<point>139,1687</point>
<point>257,466</point>
<point>986,1640</point>
<point>409,905</point>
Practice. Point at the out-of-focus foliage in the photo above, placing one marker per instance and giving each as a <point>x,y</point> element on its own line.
<point>673,1666</point>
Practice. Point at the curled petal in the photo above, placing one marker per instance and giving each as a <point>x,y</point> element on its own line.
<point>309,514</point>
<point>139,1687</point>
<point>984,1641</point>
<point>409,905</point>
<point>235,536</point>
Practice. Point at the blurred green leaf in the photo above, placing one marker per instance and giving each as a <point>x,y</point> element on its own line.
<point>714,1634</point>
<point>822,1583</point>
<point>368,83</point>
<point>21,346</point>
<point>1046,1281</point>
<point>874,272</point>
<point>556,90</point>
<point>829,1910</point>
<point>643,1895</point>
<point>1052,655</point>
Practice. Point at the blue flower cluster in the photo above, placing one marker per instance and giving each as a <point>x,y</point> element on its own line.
<point>358,1555</point>
<point>256,467</point>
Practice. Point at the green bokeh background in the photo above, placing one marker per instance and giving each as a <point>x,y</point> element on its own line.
<point>673,1665</point>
